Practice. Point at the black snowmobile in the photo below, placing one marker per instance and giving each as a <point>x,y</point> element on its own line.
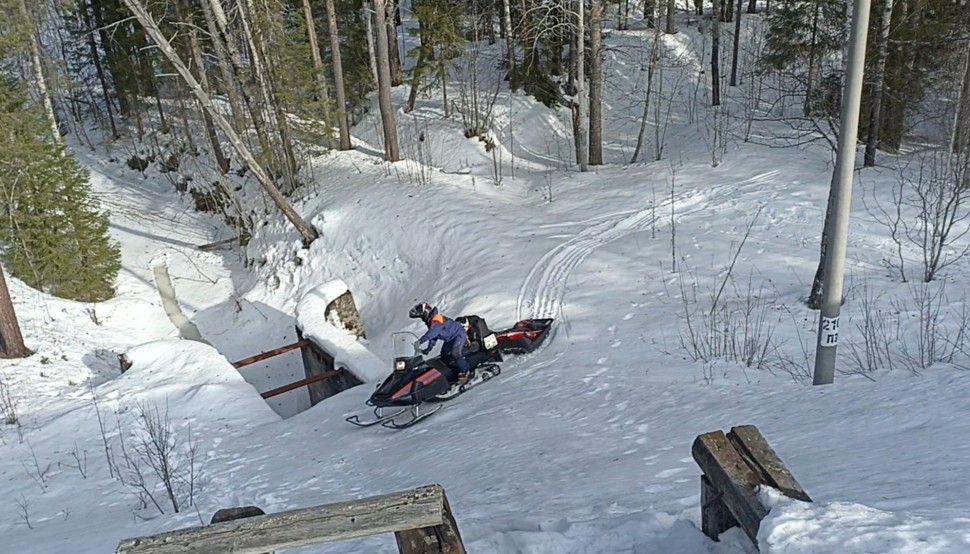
<point>416,380</point>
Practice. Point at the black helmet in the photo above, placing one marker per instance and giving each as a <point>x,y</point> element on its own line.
<point>423,310</point>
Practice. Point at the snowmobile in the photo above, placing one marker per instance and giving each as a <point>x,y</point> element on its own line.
<point>417,380</point>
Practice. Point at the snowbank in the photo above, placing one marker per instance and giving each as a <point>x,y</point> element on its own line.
<point>795,527</point>
<point>192,379</point>
<point>340,343</point>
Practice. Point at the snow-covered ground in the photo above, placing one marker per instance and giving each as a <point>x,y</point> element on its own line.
<point>583,447</point>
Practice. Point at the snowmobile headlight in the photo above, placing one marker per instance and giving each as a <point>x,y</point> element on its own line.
<point>399,365</point>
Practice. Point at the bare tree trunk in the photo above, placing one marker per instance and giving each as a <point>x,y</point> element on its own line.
<point>307,232</point>
<point>83,7</point>
<point>183,116</point>
<point>961,128</point>
<point>319,69</point>
<point>417,73</point>
<point>737,47</point>
<point>651,69</point>
<point>391,149</point>
<point>228,77</point>
<point>596,83</point>
<point>490,21</point>
<point>715,53</point>
<point>273,114</point>
<point>671,22</point>
<point>338,77</point>
<point>195,51</point>
<point>371,50</point>
<point>815,294</point>
<point>393,51</point>
<point>38,70</point>
<point>509,41</point>
<point>811,74</point>
<point>235,57</point>
<point>752,6</point>
<point>877,96</point>
<point>623,15</point>
<point>11,341</point>
<point>582,120</point>
<point>210,129</point>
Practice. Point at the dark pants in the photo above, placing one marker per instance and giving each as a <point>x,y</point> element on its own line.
<point>455,350</point>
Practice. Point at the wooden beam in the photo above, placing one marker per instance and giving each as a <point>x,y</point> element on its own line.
<point>730,475</point>
<point>440,539</point>
<point>389,513</point>
<point>302,383</point>
<point>270,354</point>
<point>716,518</point>
<point>747,440</point>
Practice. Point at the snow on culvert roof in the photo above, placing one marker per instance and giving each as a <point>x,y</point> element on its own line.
<point>346,350</point>
<point>191,379</point>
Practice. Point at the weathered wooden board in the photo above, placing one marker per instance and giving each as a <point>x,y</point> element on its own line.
<point>753,446</point>
<point>729,474</point>
<point>716,518</point>
<point>389,513</point>
<point>441,539</point>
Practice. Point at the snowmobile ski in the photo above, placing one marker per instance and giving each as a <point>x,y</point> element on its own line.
<point>482,373</point>
<point>379,417</point>
<point>417,415</point>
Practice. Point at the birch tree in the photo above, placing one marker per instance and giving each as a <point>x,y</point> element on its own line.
<point>581,119</point>
<point>146,20</point>
<point>37,68</point>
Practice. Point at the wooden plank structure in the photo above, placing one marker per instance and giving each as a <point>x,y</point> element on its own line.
<point>323,378</point>
<point>420,518</point>
<point>734,465</point>
<point>270,353</point>
<point>318,363</point>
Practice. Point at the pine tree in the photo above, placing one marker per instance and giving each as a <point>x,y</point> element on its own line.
<point>802,36</point>
<point>55,239</point>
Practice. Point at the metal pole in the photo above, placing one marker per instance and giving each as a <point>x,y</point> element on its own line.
<point>828,325</point>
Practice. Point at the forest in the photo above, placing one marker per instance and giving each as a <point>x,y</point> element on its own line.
<point>204,89</point>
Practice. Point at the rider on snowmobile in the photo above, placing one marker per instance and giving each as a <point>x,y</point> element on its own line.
<point>448,330</point>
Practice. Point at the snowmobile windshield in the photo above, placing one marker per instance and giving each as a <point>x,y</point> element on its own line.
<point>404,344</point>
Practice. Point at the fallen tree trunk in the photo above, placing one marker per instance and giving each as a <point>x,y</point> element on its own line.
<point>139,11</point>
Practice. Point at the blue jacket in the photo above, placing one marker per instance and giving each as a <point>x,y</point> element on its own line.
<point>444,329</point>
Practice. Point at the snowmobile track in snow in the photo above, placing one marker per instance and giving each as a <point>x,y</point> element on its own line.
<point>543,290</point>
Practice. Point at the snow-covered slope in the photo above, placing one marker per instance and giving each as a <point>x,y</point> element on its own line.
<point>582,447</point>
